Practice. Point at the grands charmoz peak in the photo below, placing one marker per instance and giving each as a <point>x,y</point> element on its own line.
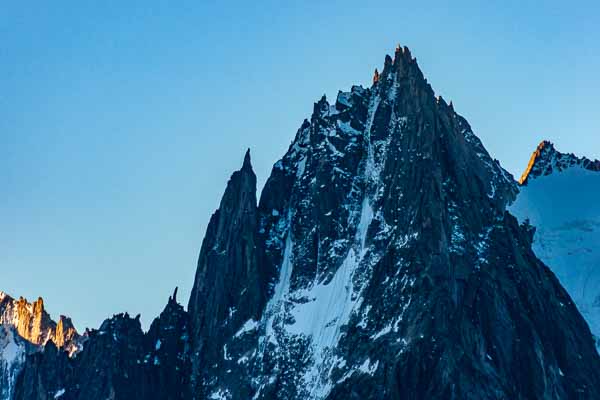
<point>378,262</point>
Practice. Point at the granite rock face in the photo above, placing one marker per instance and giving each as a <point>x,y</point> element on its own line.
<point>34,324</point>
<point>379,263</point>
<point>230,285</point>
<point>392,267</point>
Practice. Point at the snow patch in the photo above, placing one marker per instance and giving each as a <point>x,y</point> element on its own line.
<point>248,326</point>
<point>220,394</point>
<point>368,368</point>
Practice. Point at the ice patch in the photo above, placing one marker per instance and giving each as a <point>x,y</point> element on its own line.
<point>368,368</point>
<point>220,395</point>
<point>331,304</point>
<point>274,305</point>
<point>250,325</point>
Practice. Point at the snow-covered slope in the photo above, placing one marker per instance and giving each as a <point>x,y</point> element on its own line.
<point>12,356</point>
<point>561,198</point>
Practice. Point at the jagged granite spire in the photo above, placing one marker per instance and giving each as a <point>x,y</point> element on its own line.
<point>230,286</point>
<point>375,76</point>
<point>33,323</point>
<point>247,165</point>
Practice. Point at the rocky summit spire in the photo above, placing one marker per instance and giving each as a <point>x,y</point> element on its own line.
<point>384,235</point>
<point>229,287</point>
<point>33,323</point>
<point>376,76</point>
<point>173,298</point>
<point>247,162</point>
<point>542,155</point>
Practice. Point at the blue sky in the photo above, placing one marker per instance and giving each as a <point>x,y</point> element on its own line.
<point>121,123</point>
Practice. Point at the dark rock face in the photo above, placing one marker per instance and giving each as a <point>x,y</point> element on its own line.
<point>394,271</point>
<point>229,287</point>
<point>168,354</point>
<point>380,263</point>
<point>118,361</point>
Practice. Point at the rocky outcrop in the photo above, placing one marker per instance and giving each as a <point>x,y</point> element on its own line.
<point>34,324</point>
<point>167,352</point>
<point>118,361</point>
<point>545,160</point>
<point>25,328</point>
<point>230,286</point>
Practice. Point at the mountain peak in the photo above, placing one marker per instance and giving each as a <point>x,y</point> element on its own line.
<point>370,268</point>
<point>247,163</point>
<point>376,76</point>
<point>402,51</point>
<point>33,323</point>
<point>546,159</point>
<point>401,62</point>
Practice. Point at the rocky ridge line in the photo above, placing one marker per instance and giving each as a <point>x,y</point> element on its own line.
<point>545,159</point>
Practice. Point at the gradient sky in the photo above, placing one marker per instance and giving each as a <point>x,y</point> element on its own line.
<point>121,122</point>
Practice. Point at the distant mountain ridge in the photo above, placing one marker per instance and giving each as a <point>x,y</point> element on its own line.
<point>116,361</point>
<point>33,323</point>
<point>25,328</point>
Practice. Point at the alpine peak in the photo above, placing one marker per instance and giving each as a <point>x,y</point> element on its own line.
<point>546,159</point>
<point>379,263</point>
<point>376,76</point>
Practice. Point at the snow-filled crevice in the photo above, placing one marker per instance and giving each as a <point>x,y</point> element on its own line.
<point>316,313</point>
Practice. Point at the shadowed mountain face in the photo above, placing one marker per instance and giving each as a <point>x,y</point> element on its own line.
<point>230,285</point>
<point>379,263</point>
<point>117,361</point>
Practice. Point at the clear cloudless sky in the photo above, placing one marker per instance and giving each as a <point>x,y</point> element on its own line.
<point>120,122</point>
